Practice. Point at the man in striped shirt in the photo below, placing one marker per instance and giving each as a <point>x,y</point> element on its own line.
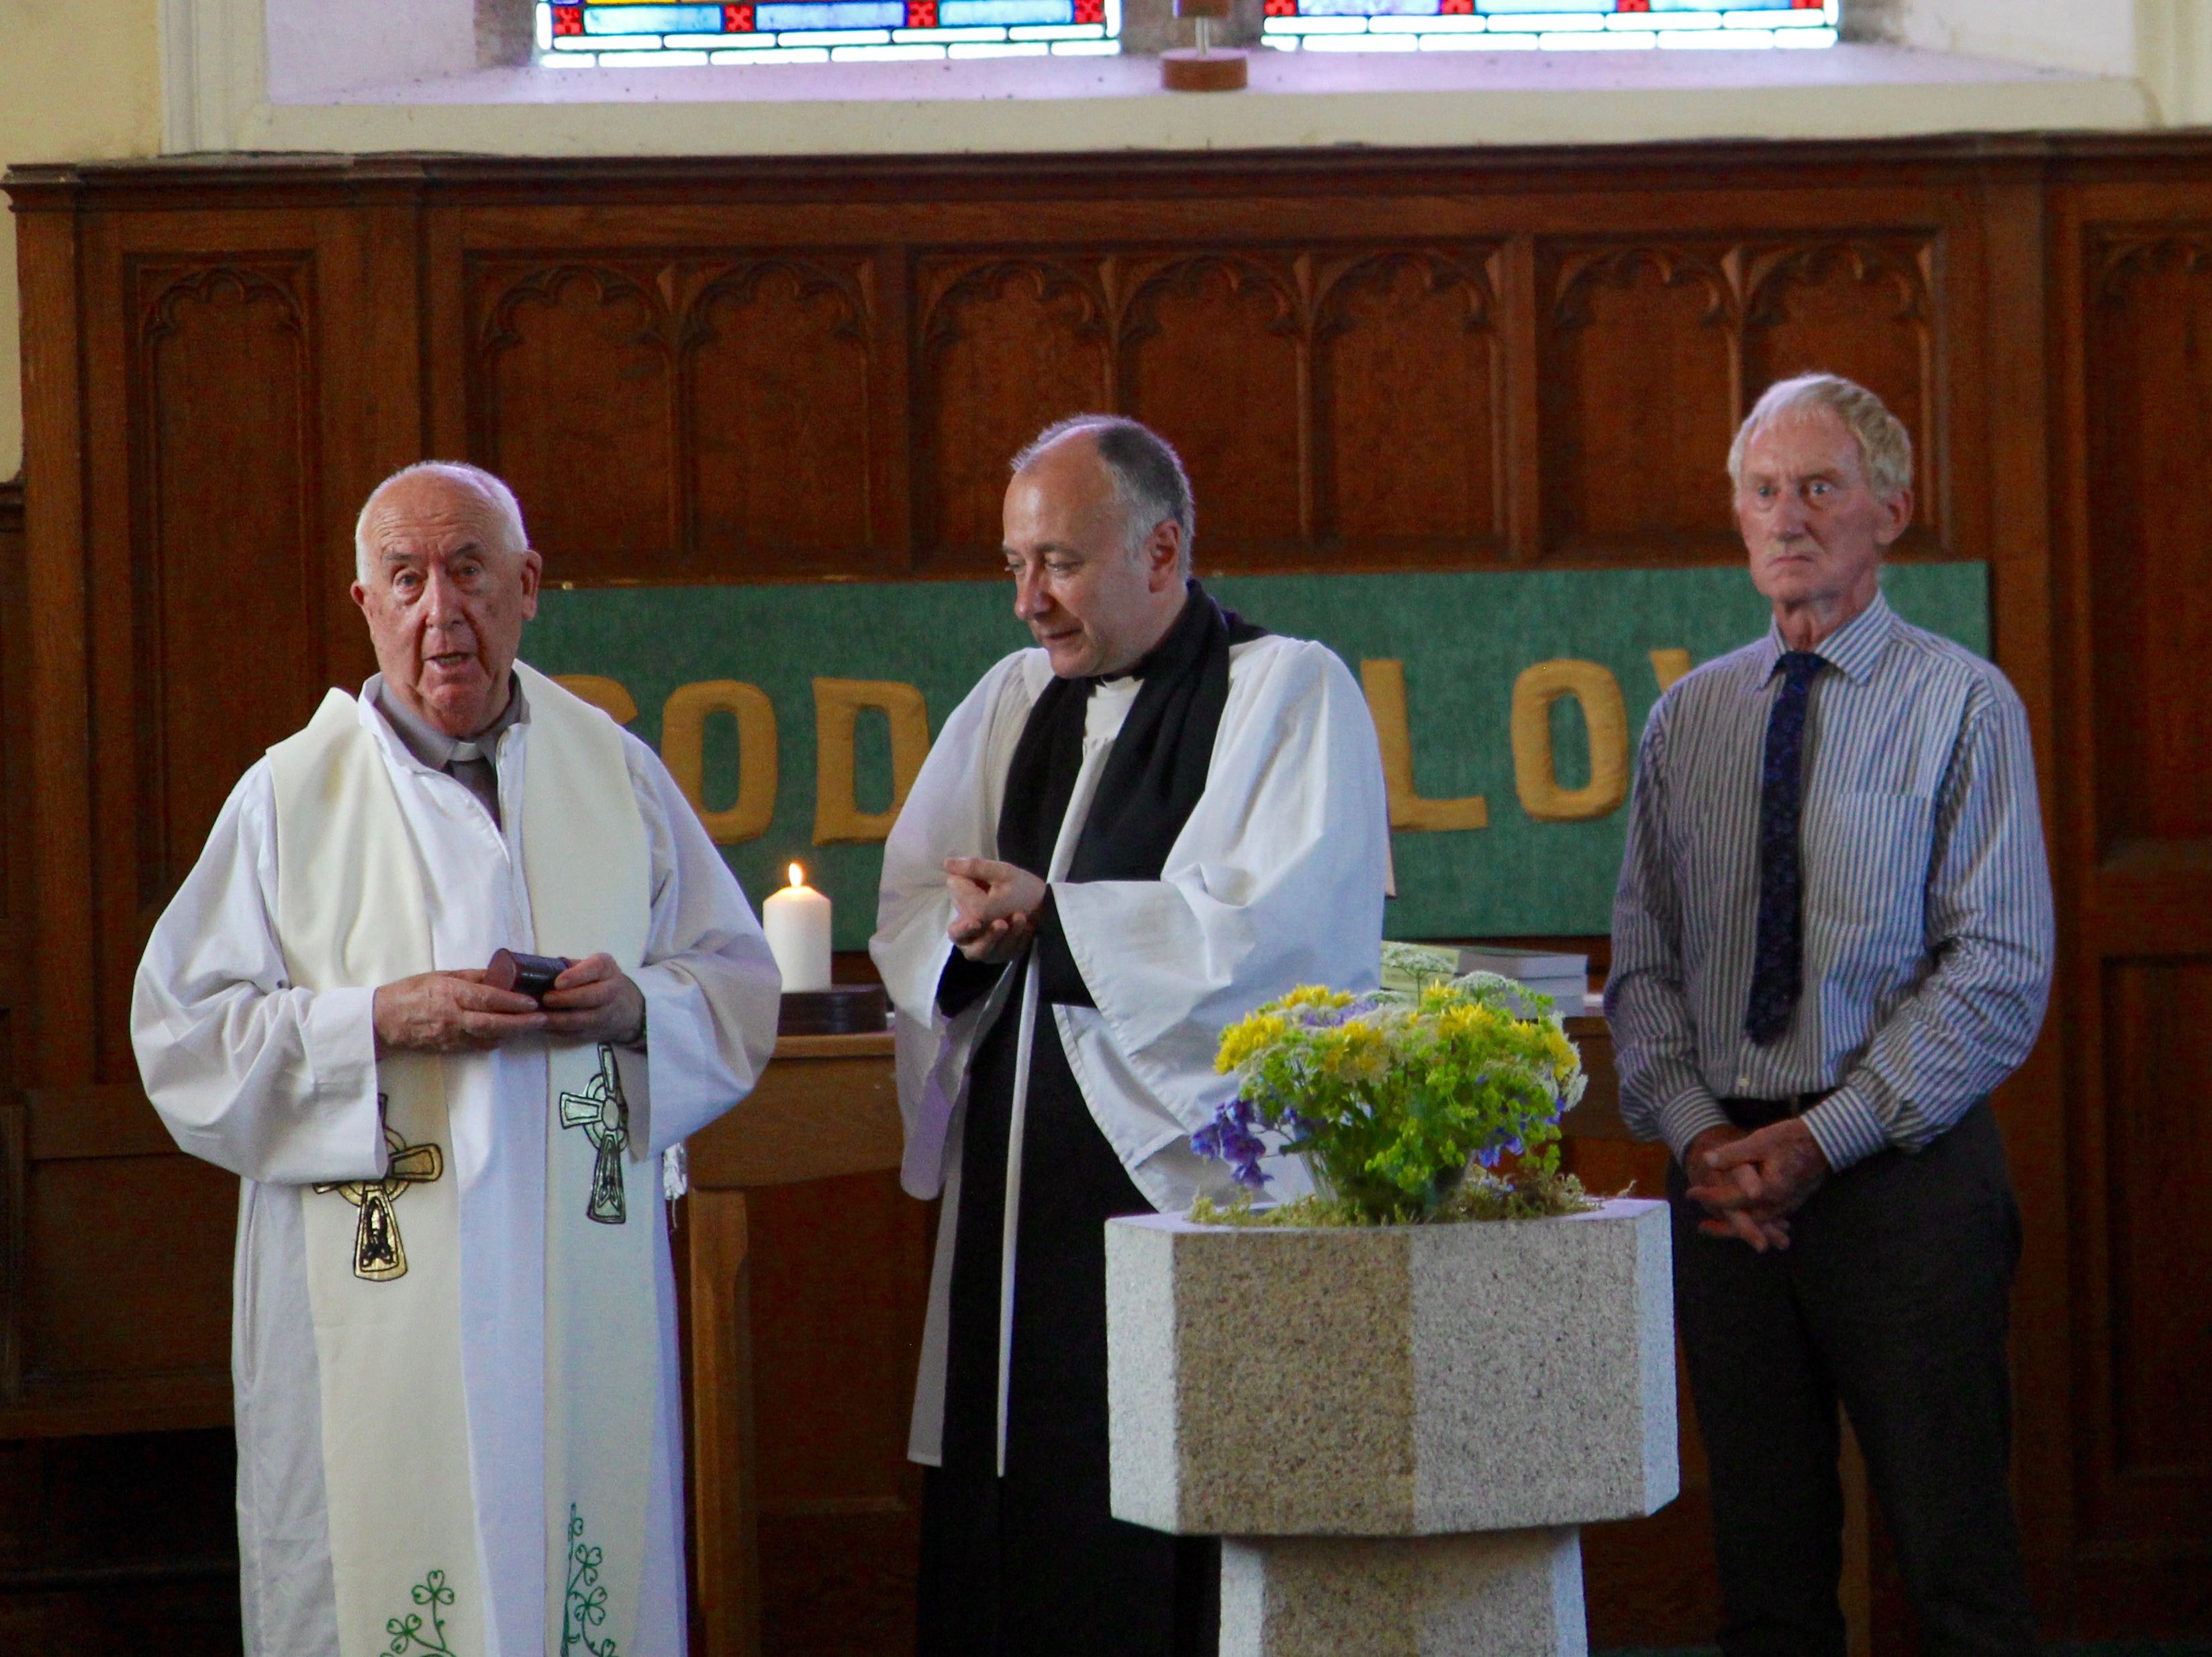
<point>1832,938</point>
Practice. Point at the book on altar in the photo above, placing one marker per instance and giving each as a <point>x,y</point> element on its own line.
<point>1564,978</point>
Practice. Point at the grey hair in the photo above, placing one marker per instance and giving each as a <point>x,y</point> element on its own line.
<point>1149,479</point>
<point>506,510</point>
<point>1885,446</point>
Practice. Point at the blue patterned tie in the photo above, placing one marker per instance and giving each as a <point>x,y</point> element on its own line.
<point>1777,968</point>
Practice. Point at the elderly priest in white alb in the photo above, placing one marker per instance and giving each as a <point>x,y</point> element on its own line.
<point>1124,840</point>
<point>454,1345</point>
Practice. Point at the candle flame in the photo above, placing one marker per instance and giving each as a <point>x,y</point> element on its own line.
<point>798,876</point>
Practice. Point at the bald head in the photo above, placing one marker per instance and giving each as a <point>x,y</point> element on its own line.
<point>1095,595</point>
<point>445,578</point>
<point>1145,473</point>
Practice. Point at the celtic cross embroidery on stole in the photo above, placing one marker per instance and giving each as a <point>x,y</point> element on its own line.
<point>603,1114</point>
<point>379,1256</point>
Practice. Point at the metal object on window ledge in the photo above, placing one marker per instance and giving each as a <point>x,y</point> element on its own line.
<point>1204,67</point>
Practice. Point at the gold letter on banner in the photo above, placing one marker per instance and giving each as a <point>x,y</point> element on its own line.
<point>684,751</point>
<point>606,694</point>
<point>1385,684</point>
<point>1668,665</point>
<point>1536,773</point>
<point>838,819</point>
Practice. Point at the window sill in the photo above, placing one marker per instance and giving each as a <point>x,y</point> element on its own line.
<point>1295,99</point>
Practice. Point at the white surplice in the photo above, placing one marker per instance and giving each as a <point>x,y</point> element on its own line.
<point>1276,880</point>
<point>279,1085</point>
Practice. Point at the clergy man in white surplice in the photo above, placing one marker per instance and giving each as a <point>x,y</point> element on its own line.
<point>454,1337</point>
<point>1123,840</point>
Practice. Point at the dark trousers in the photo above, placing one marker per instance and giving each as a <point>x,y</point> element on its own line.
<point>1893,1299</point>
<point>1034,1564</point>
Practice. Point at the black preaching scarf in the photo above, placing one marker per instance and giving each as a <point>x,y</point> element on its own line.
<point>1157,770</point>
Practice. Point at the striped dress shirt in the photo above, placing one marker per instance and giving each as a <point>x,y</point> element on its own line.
<point>1928,929</point>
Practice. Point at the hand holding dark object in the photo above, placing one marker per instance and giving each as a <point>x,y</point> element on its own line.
<point>451,1012</point>
<point>595,1000</point>
<point>526,974</point>
<point>994,907</point>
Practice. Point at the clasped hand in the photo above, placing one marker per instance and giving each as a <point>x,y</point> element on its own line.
<point>1750,1184</point>
<point>994,907</point>
<point>593,1000</point>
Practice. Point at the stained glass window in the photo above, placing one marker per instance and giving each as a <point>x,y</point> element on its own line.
<point>618,33</point>
<point>1544,25</point>
<point>626,32</point>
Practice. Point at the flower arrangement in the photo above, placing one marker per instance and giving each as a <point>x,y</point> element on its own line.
<point>1404,1101</point>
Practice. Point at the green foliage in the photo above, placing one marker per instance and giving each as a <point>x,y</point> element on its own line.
<point>1481,1196</point>
<point>1393,1096</point>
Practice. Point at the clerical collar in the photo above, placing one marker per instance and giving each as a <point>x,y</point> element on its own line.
<point>1170,643</point>
<point>433,747</point>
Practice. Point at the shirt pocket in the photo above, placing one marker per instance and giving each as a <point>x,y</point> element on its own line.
<point>1865,863</point>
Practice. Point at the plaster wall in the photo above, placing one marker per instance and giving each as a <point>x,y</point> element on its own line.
<point>78,79</point>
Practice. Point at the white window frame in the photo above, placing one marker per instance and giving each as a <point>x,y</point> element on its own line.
<point>392,88</point>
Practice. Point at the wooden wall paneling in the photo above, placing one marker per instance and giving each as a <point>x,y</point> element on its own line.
<point>1521,302</point>
<point>2150,305</point>
<point>1997,389</point>
<point>1409,401</point>
<point>59,713</point>
<point>1006,343</point>
<point>724,1538</point>
<point>778,423</point>
<point>894,527</point>
<point>2129,306</point>
<point>2158,1019</point>
<point>1642,377</point>
<point>572,375</point>
<point>372,287</point>
<point>1215,353</point>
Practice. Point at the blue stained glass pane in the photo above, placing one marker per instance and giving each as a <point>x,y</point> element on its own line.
<point>1722,5</point>
<point>956,14</point>
<point>831,14</point>
<point>1556,7</point>
<point>652,20</point>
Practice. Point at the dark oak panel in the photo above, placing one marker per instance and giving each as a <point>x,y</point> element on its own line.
<point>574,376</point>
<point>1642,388</point>
<point>2150,332</point>
<point>1409,391</point>
<point>224,410</point>
<point>2158,1023</point>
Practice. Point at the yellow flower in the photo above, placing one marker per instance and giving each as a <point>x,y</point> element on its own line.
<point>1316,995</point>
<point>1248,1038</point>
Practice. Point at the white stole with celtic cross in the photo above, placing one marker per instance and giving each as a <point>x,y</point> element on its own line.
<point>384,1256</point>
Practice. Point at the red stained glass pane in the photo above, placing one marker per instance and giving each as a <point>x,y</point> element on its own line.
<point>921,13</point>
<point>1282,7</point>
<point>1455,8</point>
<point>567,20</point>
<point>1089,11</point>
<point>1633,5</point>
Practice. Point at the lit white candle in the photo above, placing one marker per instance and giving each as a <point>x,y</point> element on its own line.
<point>797,922</point>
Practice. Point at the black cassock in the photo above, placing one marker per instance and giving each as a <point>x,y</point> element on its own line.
<point>1034,1564</point>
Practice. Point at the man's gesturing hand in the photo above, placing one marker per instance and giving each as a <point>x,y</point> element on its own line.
<point>450,1012</point>
<point>1751,1183</point>
<point>595,1000</point>
<point>994,907</point>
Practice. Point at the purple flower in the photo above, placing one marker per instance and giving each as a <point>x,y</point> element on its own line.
<point>1230,1139</point>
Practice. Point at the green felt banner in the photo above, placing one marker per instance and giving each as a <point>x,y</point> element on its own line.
<point>1464,639</point>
